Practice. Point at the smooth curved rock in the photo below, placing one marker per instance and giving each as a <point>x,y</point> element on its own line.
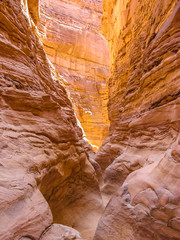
<point>60,232</point>
<point>24,211</point>
<point>146,206</point>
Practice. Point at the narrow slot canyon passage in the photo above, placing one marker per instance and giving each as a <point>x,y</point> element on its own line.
<point>89,120</point>
<point>72,38</point>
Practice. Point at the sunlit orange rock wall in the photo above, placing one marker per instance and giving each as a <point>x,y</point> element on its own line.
<point>73,42</point>
<point>42,154</point>
<point>140,157</point>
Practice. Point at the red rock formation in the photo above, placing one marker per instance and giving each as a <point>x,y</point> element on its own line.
<point>144,109</point>
<point>48,175</point>
<point>56,230</point>
<point>73,43</point>
<point>41,145</point>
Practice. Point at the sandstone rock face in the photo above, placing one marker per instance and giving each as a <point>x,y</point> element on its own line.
<point>48,175</point>
<point>146,206</point>
<point>72,40</point>
<point>24,212</point>
<point>140,156</point>
<point>60,232</point>
<point>42,153</point>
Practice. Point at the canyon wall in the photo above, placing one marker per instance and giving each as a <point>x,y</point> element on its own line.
<point>49,180</point>
<point>141,155</point>
<point>70,32</point>
<point>45,173</point>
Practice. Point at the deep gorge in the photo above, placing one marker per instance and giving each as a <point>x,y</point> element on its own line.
<point>84,75</point>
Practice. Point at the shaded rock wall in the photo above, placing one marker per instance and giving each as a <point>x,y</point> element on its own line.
<point>144,109</point>
<point>41,145</point>
<point>73,42</point>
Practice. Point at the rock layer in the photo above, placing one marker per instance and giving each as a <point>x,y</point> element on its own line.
<point>72,40</point>
<point>140,156</point>
<point>42,153</point>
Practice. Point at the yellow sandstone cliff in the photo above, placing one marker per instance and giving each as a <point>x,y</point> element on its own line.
<point>72,40</point>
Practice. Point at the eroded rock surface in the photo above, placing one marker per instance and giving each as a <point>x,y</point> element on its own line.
<point>73,42</point>
<point>141,152</point>
<point>48,175</point>
<point>60,232</point>
<point>146,206</point>
<point>42,153</point>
